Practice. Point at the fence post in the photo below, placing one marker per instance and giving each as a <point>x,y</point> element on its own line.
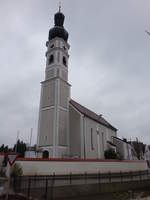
<point>131,175</point>
<point>29,187</point>
<point>52,186</point>
<point>109,174</point>
<point>35,177</point>
<point>147,174</point>
<point>121,177</point>
<point>70,178</point>
<point>46,188</point>
<point>20,183</point>
<point>99,177</point>
<point>99,181</point>
<point>14,184</point>
<point>140,175</point>
<point>85,177</point>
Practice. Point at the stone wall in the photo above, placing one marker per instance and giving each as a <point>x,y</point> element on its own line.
<point>78,166</point>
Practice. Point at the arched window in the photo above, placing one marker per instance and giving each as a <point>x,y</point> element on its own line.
<point>45,154</point>
<point>51,59</point>
<point>64,61</point>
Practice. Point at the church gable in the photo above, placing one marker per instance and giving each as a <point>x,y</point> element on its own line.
<point>90,114</point>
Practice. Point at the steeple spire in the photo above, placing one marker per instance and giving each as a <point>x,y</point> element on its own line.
<point>59,6</point>
<point>58,30</point>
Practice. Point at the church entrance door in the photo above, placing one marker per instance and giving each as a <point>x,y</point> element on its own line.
<point>45,154</point>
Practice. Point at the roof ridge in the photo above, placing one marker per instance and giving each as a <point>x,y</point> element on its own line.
<point>91,114</point>
<point>86,108</point>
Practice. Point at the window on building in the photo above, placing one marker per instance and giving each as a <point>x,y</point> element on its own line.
<point>52,46</point>
<point>51,59</point>
<point>64,61</point>
<point>103,141</point>
<point>92,144</point>
<point>45,154</point>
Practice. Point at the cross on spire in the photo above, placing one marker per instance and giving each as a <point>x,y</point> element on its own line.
<point>59,6</point>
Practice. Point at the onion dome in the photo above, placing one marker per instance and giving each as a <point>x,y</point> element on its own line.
<point>58,29</point>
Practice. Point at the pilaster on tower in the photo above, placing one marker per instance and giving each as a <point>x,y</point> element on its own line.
<point>53,136</point>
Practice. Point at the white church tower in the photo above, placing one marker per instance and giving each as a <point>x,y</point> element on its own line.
<point>53,127</point>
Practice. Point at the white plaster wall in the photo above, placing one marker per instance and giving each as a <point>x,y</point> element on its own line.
<point>88,124</point>
<point>46,127</point>
<point>30,154</point>
<point>75,133</point>
<point>120,147</point>
<point>66,167</point>
<point>105,134</point>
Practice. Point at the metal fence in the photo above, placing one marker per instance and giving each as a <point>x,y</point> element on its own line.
<point>43,186</point>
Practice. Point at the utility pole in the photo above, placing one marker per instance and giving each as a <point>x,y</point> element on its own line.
<point>18,132</point>
<point>30,141</point>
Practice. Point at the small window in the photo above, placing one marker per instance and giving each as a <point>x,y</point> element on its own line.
<point>64,61</point>
<point>52,46</point>
<point>51,59</point>
<point>92,144</point>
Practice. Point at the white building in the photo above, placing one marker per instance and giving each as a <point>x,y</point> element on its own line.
<point>125,149</point>
<point>66,128</point>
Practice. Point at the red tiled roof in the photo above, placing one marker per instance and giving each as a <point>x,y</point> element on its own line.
<point>88,113</point>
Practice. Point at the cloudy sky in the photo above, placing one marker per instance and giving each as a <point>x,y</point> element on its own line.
<point>109,67</point>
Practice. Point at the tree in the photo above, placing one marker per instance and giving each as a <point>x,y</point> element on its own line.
<point>3,148</point>
<point>20,148</point>
<point>110,154</point>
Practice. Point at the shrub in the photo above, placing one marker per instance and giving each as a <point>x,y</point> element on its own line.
<point>2,172</point>
<point>110,154</point>
<point>16,170</point>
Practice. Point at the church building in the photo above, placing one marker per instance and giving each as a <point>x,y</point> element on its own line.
<point>66,129</point>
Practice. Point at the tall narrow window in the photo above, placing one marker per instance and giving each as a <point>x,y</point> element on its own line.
<point>64,61</point>
<point>103,141</point>
<point>51,59</point>
<point>92,144</point>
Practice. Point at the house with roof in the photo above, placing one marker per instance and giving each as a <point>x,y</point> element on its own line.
<point>124,148</point>
<point>65,127</point>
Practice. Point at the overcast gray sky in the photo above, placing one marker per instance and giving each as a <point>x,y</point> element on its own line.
<point>109,65</point>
